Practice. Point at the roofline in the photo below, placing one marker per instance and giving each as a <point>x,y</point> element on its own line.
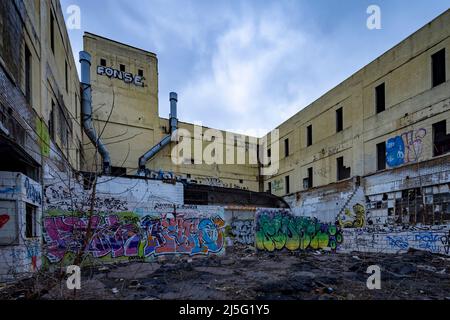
<point>86,33</point>
<point>310,105</point>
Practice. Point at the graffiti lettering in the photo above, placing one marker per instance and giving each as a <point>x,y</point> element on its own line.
<point>276,230</point>
<point>126,237</point>
<point>32,193</point>
<point>352,220</point>
<point>243,231</point>
<point>405,148</point>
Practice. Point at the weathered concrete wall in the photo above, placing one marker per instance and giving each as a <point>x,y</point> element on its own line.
<point>132,219</point>
<point>20,253</point>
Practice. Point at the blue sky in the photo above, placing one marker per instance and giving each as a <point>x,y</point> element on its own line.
<point>247,66</point>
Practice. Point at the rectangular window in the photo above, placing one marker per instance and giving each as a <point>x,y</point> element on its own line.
<point>286,147</point>
<point>51,121</point>
<point>441,140</point>
<point>30,221</point>
<point>438,67</point>
<point>339,120</point>
<point>52,31</point>
<point>103,62</point>
<point>66,70</point>
<point>310,177</point>
<point>380,97</point>
<point>309,137</point>
<point>342,171</point>
<point>288,187</point>
<point>28,74</point>
<point>122,67</point>
<point>141,73</point>
<point>270,187</point>
<point>381,156</point>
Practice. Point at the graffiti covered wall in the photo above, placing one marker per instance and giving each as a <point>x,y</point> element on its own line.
<point>278,229</point>
<point>20,242</point>
<point>130,220</point>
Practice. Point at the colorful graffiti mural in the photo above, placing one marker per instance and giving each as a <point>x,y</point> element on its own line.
<point>243,231</point>
<point>279,229</point>
<point>127,235</point>
<point>355,219</point>
<point>405,148</point>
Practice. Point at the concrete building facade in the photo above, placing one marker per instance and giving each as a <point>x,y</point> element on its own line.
<point>378,182</point>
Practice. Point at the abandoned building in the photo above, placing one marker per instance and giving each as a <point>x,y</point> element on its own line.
<point>366,167</point>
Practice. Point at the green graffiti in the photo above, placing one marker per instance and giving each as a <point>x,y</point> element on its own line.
<point>44,137</point>
<point>277,230</point>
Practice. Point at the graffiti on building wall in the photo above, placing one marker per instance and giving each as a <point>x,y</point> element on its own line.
<point>445,240</point>
<point>243,231</point>
<point>64,199</point>
<point>276,230</point>
<point>405,148</point>
<point>127,235</point>
<point>4,218</point>
<point>355,219</point>
<point>32,192</point>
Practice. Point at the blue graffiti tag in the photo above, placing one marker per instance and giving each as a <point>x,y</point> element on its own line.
<point>395,152</point>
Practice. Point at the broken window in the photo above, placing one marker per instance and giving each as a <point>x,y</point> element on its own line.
<point>339,120</point>
<point>441,140</point>
<point>308,182</point>
<point>380,96</point>
<point>309,137</point>
<point>342,171</point>
<point>381,156</point>
<point>141,73</point>
<point>438,67</point>
<point>286,147</point>
<point>103,62</point>
<point>288,187</point>
<point>30,221</point>
<point>28,74</point>
<point>122,67</point>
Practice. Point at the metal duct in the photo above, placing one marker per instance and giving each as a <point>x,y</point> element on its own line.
<point>86,110</point>
<point>173,121</point>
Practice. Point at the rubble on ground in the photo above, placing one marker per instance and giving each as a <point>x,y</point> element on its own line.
<point>247,274</point>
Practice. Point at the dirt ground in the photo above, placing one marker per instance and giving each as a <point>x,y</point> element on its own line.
<point>247,275</point>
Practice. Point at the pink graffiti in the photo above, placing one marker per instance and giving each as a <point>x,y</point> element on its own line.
<point>413,144</point>
<point>183,235</point>
<point>4,218</point>
<point>116,238</point>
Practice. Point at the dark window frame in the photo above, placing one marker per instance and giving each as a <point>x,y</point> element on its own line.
<point>309,135</point>
<point>340,119</point>
<point>381,154</point>
<point>30,221</point>
<point>52,31</point>
<point>123,68</point>
<point>286,147</point>
<point>287,184</point>
<point>103,62</point>
<point>342,171</point>
<point>441,140</point>
<point>438,68</point>
<point>380,98</point>
<point>28,75</point>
